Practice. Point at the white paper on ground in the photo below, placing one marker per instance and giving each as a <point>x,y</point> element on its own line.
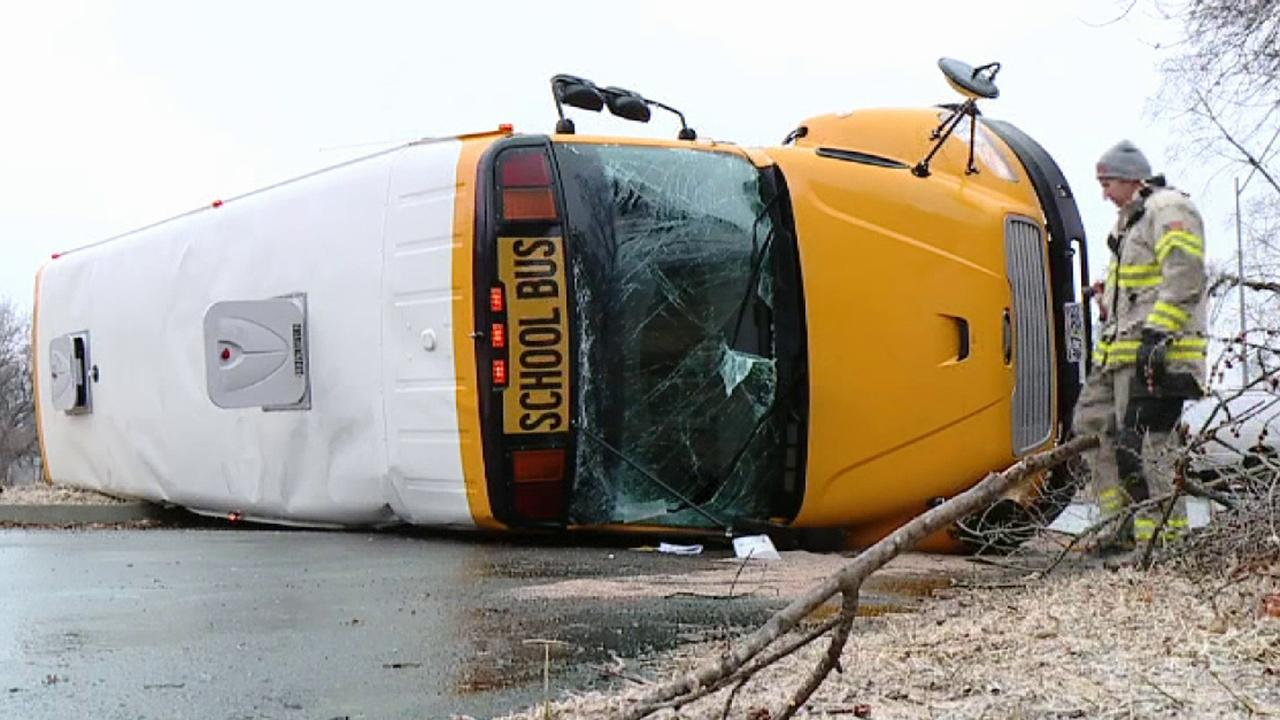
<point>679,549</point>
<point>756,547</point>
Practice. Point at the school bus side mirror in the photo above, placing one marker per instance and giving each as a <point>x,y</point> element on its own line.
<point>626,104</point>
<point>577,92</point>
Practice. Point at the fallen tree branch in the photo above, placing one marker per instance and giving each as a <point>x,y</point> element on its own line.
<point>714,671</point>
<point>848,611</point>
<point>743,676</point>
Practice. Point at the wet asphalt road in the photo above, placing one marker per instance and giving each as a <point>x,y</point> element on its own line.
<point>199,623</point>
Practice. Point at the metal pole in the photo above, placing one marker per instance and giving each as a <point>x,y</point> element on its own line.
<point>1244,348</point>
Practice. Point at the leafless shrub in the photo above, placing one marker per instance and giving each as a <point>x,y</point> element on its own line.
<point>1245,538</point>
<point>1225,455</point>
<point>18,443</point>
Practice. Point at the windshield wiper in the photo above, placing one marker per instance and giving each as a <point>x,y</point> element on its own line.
<point>757,262</point>
<point>765,417</point>
<point>728,529</point>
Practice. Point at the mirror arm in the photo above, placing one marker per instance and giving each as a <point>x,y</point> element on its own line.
<point>970,168</point>
<point>686,132</point>
<point>942,132</point>
<point>564,126</point>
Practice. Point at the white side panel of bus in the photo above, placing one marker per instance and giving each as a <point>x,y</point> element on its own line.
<point>423,448</point>
<point>153,431</point>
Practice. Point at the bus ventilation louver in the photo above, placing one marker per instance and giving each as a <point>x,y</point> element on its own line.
<point>1033,353</point>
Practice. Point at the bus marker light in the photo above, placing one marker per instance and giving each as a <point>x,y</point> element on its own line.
<point>496,303</point>
<point>528,204</point>
<point>498,335</point>
<point>525,168</point>
<point>537,465</point>
<point>500,372</point>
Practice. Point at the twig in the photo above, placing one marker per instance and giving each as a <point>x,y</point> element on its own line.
<point>1244,701</point>
<point>1248,156</point>
<point>744,675</point>
<point>1197,490</point>
<point>848,611</point>
<point>1161,690</point>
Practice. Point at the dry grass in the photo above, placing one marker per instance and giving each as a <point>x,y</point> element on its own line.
<point>1088,644</point>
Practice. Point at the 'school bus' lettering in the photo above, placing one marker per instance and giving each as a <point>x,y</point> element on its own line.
<point>537,398</point>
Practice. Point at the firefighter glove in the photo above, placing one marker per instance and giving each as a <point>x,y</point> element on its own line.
<point>1151,358</point>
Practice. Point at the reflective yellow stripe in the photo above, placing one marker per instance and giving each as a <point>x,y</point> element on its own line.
<point>1189,348</point>
<point>1133,276</point>
<point>1179,239</point>
<point>1178,235</point>
<point>1113,500</point>
<point>1172,311</point>
<point>1125,352</point>
<point>1131,271</point>
<point>1164,322</point>
<point>1144,529</point>
<point>1190,249</point>
<point>1170,317</point>
<point>1116,352</point>
<point>1141,282</point>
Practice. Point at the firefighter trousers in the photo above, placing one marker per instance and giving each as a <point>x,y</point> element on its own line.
<point>1135,459</point>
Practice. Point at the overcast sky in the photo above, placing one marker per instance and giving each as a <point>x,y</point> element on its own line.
<point>116,114</point>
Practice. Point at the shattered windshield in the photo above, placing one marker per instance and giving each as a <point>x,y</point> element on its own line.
<point>671,260</point>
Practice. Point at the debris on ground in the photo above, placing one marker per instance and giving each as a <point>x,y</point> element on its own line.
<point>674,549</point>
<point>757,547</point>
<point>1083,643</point>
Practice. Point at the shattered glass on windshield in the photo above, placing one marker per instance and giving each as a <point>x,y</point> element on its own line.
<point>672,266</point>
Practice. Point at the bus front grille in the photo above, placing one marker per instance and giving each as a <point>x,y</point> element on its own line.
<point>1033,351</point>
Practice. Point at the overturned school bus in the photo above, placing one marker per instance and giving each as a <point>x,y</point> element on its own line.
<point>508,331</point>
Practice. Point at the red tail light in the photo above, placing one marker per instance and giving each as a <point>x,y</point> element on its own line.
<point>497,303</point>
<point>537,465</point>
<point>527,188</point>
<point>500,372</point>
<point>498,335</point>
<point>525,168</point>
<point>539,483</point>
<point>528,204</point>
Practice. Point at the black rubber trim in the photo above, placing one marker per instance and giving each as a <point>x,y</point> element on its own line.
<point>497,447</point>
<point>861,157</point>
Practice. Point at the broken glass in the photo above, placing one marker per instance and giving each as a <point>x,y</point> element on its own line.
<point>671,259</point>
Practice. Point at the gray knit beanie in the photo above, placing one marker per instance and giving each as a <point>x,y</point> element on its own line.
<point>1124,161</point>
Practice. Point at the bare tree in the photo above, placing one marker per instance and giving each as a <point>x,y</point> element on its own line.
<point>1222,90</point>
<point>1222,79</point>
<point>18,442</point>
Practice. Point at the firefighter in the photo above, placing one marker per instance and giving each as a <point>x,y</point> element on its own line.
<point>1150,355</point>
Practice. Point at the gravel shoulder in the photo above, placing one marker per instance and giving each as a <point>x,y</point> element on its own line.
<point>57,506</point>
<point>41,493</point>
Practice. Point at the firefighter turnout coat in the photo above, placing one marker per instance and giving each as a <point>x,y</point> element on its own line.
<point>1156,281</point>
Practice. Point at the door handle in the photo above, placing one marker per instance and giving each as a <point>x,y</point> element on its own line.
<point>1006,337</point>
